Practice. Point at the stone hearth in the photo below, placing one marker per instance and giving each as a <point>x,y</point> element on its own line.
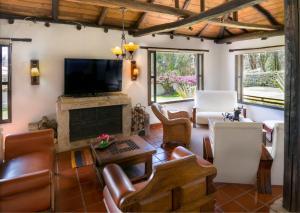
<point>65,104</point>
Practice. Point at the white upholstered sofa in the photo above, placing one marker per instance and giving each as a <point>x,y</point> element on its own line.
<point>277,153</point>
<point>212,103</point>
<point>235,150</point>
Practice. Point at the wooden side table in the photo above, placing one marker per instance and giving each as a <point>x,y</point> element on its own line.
<point>126,152</point>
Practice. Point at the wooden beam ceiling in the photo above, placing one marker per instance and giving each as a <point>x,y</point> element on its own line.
<point>266,14</point>
<point>204,16</point>
<point>150,7</point>
<point>176,3</point>
<point>102,16</point>
<point>136,5</point>
<point>248,36</point>
<point>142,17</point>
<point>55,4</point>
<point>229,23</point>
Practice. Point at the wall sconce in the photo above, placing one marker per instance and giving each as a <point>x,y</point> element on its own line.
<point>34,72</point>
<point>134,71</point>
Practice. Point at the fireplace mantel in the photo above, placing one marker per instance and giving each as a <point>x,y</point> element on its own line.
<point>65,104</point>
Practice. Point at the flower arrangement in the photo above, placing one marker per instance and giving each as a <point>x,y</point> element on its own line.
<point>103,140</point>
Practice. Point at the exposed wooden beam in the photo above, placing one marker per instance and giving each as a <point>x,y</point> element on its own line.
<point>234,24</point>
<point>137,5</point>
<point>235,16</point>
<point>176,3</point>
<point>184,7</point>
<point>228,32</point>
<point>266,14</point>
<point>102,16</point>
<point>291,185</point>
<point>202,30</point>
<point>204,16</point>
<point>142,17</point>
<point>186,4</point>
<point>222,28</point>
<point>55,4</point>
<point>248,36</point>
<point>202,5</point>
<point>59,21</point>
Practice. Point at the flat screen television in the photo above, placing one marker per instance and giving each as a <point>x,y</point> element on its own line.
<point>92,76</point>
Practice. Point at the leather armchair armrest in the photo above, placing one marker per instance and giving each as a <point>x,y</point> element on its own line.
<point>117,183</point>
<point>25,183</point>
<point>180,114</point>
<point>19,144</point>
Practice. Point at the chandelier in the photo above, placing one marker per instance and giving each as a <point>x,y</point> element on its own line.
<point>126,50</point>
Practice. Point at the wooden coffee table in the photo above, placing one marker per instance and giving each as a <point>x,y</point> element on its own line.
<point>127,152</point>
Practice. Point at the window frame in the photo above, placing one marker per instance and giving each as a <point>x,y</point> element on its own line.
<point>199,75</point>
<point>239,70</point>
<point>8,83</point>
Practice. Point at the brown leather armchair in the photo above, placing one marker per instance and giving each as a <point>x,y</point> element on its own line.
<point>176,127</point>
<point>26,175</point>
<point>182,184</point>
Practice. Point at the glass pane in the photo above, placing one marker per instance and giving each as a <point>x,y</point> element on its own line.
<point>176,76</point>
<point>152,63</point>
<point>152,90</point>
<point>4,64</point>
<point>263,78</point>
<point>4,103</point>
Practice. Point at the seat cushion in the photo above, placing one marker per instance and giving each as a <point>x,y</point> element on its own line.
<point>26,164</point>
<point>202,117</point>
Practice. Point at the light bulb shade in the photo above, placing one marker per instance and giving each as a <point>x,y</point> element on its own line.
<point>35,72</point>
<point>131,47</point>
<point>117,51</point>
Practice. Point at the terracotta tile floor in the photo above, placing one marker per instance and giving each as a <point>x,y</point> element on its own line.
<point>78,190</point>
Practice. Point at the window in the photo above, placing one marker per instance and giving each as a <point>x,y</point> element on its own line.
<point>5,88</point>
<point>260,78</point>
<point>174,76</point>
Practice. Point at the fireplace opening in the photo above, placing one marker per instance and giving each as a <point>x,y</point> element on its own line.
<point>90,122</point>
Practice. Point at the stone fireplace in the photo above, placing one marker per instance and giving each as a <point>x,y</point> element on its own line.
<point>80,120</point>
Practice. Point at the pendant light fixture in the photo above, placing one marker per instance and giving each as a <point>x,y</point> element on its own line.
<point>126,50</point>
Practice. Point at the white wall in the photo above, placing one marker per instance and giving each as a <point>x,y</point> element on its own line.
<point>227,74</point>
<point>52,45</point>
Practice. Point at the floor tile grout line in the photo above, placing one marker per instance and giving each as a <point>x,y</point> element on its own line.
<point>81,192</point>
<point>234,198</point>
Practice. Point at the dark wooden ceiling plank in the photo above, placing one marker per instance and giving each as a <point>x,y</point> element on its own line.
<point>102,16</point>
<point>55,5</point>
<point>248,36</point>
<point>266,14</point>
<point>204,16</point>
<point>176,3</point>
<point>202,5</point>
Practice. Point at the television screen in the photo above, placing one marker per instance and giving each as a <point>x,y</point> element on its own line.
<point>91,76</point>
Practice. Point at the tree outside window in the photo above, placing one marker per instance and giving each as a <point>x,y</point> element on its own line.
<point>261,78</point>
<point>175,76</point>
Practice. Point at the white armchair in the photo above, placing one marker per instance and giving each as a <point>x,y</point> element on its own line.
<point>212,103</point>
<point>235,150</point>
<point>277,153</point>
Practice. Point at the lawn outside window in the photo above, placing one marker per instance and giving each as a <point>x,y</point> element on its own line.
<point>174,76</point>
<point>260,78</point>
